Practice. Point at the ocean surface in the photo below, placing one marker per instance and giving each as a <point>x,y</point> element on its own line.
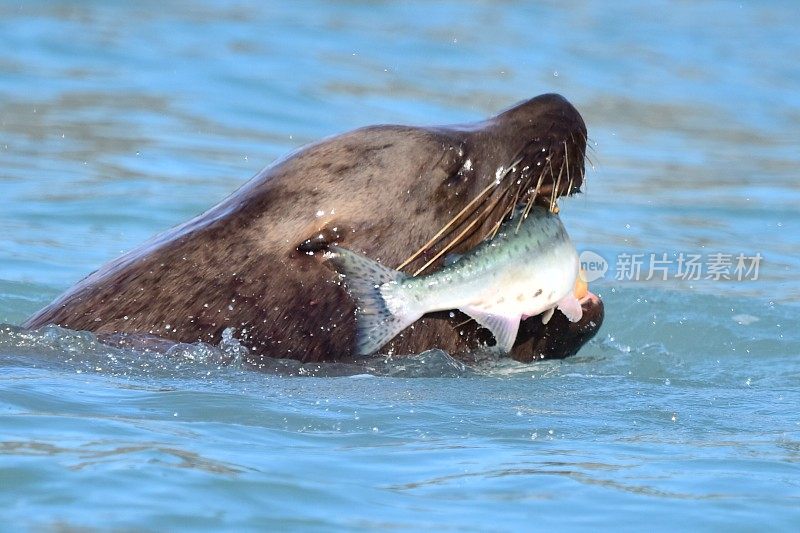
<point>119,120</point>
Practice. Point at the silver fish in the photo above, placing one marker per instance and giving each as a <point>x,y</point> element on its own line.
<point>515,275</point>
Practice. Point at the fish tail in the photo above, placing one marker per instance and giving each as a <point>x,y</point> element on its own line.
<point>382,308</point>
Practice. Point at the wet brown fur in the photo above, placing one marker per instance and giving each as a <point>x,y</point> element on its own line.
<point>249,262</point>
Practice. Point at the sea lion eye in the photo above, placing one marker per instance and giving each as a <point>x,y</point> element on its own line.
<point>321,239</point>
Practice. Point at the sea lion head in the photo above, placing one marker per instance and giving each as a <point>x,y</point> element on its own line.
<point>404,195</point>
<point>423,193</point>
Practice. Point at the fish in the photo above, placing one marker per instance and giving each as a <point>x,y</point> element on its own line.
<point>528,268</point>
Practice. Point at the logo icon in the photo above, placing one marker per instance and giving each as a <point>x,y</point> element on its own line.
<point>593,266</point>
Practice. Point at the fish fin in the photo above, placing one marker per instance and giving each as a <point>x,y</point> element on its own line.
<point>355,265</point>
<point>547,315</point>
<point>571,307</point>
<point>377,322</point>
<point>504,328</point>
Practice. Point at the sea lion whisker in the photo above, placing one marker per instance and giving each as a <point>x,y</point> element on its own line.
<point>571,181</point>
<point>583,180</point>
<point>531,200</point>
<point>513,203</point>
<point>506,213</point>
<point>496,227</point>
<point>594,160</point>
<point>458,237</point>
<point>439,234</point>
<point>589,151</point>
<point>552,175</point>
<point>569,186</point>
<point>526,211</point>
<point>464,323</point>
<point>554,194</point>
<point>566,163</point>
<point>513,165</point>
<point>433,240</point>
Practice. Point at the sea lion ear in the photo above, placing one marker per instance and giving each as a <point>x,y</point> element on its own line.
<point>320,240</point>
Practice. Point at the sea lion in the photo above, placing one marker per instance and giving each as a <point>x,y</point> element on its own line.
<point>404,195</point>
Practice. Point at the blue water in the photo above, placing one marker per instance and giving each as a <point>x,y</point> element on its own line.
<point>121,119</point>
